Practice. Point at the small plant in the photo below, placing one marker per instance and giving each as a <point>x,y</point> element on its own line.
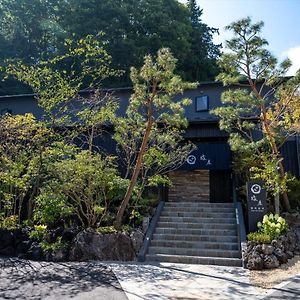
<point>58,244</point>
<point>106,229</point>
<point>9,223</point>
<point>38,233</point>
<point>112,229</point>
<point>259,237</point>
<point>273,225</point>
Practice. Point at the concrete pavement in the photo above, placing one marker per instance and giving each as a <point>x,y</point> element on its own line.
<point>21,279</point>
<point>178,281</point>
<point>286,290</point>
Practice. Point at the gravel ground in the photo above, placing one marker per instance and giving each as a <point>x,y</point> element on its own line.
<point>268,278</point>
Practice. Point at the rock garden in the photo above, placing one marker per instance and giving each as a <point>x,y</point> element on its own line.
<point>272,245</point>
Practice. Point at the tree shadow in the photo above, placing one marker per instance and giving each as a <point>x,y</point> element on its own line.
<point>23,279</point>
<point>168,281</point>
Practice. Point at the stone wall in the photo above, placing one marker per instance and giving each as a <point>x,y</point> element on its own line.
<point>189,185</point>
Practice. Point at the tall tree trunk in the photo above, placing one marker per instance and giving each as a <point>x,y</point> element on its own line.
<point>135,175</point>
<point>271,139</point>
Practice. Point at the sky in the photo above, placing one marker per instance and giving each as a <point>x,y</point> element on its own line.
<point>281,18</point>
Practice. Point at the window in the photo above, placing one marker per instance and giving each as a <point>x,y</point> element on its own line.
<point>202,103</point>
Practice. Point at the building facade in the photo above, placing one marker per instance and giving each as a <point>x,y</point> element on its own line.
<point>207,172</point>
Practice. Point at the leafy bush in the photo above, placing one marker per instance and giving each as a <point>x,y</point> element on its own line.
<point>271,228</point>
<point>50,207</point>
<point>107,229</point>
<point>259,237</point>
<point>58,244</point>
<point>9,223</point>
<point>23,139</point>
<point>273,225</point>
<point>38,233</point>
<point>112,229</point>
<point>85,185</point>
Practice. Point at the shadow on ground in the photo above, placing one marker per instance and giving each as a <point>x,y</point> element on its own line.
<point>22,279</point>
<point>175,281</point>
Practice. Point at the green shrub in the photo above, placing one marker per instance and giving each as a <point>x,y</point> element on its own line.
<point>112,229</point>
<point>273,225</point>
<point>259,237</point>
<point>50,207</point>
<point>39,233</point>
<point>58,244</point>
<point>87,185</point>
<point>9,223</point>
<point>107,229</point>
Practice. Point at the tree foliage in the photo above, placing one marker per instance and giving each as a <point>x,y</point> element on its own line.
<point>261,109</point>
<point>57,81</point>
<point>153,123</point>
<point>35,30</point>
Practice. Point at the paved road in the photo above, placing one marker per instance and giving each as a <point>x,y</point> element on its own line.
<point>21,279</point>
<point>289,291</point>
<point>166,281</point>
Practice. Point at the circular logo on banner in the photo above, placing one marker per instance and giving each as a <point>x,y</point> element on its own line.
<point>191,160</point>
<point>255,188</point>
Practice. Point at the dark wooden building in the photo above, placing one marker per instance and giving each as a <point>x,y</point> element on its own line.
<point>207,172</point>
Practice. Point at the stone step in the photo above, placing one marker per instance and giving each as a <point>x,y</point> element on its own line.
<point>197,214</point>
<point>197,220</point>
<point>197,231</point>
<point>194,252</point>
<point>189,200</point>
<point>199,209</point>
<point>199,205</point>
<point>194,245</point>
<point>195,237</point>
<point>207,225</point>
<point>220,261</point>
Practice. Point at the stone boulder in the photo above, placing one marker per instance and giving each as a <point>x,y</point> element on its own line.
<point>271,262</point>
<point>35,252</point>
<point>6,239</point>
<point>146,222</point>
<point>137,239</point>
<point>267,249</point>
<point>255,262</point>
<point>281,256</point>
<point>90,245</point>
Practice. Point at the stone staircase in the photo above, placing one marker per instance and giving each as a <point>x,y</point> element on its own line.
<point>196,233</point>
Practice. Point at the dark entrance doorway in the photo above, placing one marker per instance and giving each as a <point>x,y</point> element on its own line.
<point>220,186</point>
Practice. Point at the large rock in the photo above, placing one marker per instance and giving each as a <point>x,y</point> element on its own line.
<point>6,239</point>
<point>146,222</point>
<point>255,262</point>
<point>69,234</point>
<point>23,247</point>
<point>90,245</point>
<point>281,256</point>
<point>271,262</point>
<point>267,249</point>
<point>7,251</point>
<point>35,252</point>
<point>137,238</point>
<point>60,255</point>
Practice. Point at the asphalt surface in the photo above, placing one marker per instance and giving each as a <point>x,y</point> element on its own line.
<point>289,291</point>
<point>22,279</point>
